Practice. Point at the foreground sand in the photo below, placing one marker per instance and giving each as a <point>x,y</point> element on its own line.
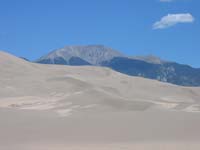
<point>150,130</point>
<point>49,107</point>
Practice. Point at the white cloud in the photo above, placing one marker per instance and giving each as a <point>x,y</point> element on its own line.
<point>173,19</point>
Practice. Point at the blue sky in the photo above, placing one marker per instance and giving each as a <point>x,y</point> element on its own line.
<point>32,28</point>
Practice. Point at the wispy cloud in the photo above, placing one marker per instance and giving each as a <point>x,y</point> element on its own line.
<point>173,19</point>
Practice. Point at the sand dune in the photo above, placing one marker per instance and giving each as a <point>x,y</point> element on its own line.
<point>64,107</point>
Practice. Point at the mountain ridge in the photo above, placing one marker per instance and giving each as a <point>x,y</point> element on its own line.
<point>149,66</point>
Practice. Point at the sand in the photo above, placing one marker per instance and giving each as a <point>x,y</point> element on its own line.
<point>53,107</point>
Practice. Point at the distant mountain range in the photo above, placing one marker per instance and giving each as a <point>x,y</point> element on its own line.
<point>144,66</point>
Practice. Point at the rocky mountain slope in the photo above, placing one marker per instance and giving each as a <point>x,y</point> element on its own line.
<point>166,72</point>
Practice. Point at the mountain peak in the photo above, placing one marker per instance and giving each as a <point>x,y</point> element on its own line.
<point>92,45</point>
<point>92,54</point>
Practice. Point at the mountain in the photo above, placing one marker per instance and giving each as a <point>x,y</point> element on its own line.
<point>91,108</point>
<point>149,59</point>
<point>166,71</point>
<point>80,55</point>
<point>24,58</point>
<point>149,66</point>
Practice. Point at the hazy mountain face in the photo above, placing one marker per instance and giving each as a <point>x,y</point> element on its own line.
<point>166,72</point>
<point>84,55</point>
<point>145,66</point>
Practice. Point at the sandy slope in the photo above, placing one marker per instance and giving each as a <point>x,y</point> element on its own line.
<point>63,107</point>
